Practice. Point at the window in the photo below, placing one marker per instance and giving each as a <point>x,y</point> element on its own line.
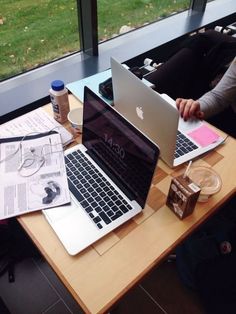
<point>21,92</point>
<point>34,33</point>
<point>118,16</point>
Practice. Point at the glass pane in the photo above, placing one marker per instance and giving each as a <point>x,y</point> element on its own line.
<point>33,33</point>
<point>120,15</point>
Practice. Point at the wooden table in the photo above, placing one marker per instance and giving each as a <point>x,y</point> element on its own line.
<point>100,275</point>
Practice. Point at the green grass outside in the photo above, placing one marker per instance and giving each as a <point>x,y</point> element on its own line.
<point>33,33</point>
<point>112,14</point>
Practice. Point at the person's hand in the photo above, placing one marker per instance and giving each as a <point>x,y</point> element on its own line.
<point>189,108</point>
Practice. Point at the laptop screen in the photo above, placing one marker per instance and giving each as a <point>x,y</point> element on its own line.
<point>124,153</point>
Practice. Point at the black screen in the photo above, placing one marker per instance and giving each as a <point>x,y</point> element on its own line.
<point>122,151</point>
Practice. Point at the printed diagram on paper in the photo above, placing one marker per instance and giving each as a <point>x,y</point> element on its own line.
<point>33,174</point>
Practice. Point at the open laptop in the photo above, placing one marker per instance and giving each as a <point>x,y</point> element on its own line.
<point>157,116</point>
<point>109,176</point>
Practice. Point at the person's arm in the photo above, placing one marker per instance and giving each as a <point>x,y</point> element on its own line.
<point>222,96</point>
<point>216,100</point>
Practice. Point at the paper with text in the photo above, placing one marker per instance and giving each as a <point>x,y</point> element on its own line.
<point>35,121</point>
<point>33,174</point>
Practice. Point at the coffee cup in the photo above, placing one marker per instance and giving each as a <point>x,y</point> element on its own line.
<point>75,117</point>
<point>207,179</point>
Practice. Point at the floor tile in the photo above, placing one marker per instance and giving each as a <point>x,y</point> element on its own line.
<point>30,293</point>
<point>58,308</point>
<point>138,302</point>
<point>3,308</point>
<point>51,276</point>
<point>164,285</point>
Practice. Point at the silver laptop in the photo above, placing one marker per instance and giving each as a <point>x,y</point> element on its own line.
<point>157,116</point>
<point>109,176</point>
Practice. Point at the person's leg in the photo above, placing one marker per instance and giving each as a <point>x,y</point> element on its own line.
<point>180,76</point>
<point>188,72</point>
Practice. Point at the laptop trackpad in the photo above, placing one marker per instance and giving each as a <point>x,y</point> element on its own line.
<point>186,126</point>
<point>60,212</point>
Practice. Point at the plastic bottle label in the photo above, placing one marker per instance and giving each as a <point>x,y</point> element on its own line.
<point>60,105</point>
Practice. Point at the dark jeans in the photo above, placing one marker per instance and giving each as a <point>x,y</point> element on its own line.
<point>181,76</point>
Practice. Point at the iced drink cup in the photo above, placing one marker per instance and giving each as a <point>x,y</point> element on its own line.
<point>207,179</point>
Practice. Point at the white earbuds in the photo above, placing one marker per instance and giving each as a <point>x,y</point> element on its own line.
<point>31,158</point>
<point>20,165</point>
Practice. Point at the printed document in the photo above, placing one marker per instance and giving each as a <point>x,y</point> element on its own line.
<point>33,174</point>
<point>38,121</point>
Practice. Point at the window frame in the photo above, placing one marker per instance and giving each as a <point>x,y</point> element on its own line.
<point>88,26</point>
<point>198,5</point>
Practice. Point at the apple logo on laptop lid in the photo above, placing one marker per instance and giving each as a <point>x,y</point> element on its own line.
<point>139,111</point>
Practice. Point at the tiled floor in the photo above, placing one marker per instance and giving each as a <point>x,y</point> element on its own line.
<point>38,290</point>
<point>161,292</point>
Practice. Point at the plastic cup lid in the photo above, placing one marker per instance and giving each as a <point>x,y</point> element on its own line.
<point>207,179</point>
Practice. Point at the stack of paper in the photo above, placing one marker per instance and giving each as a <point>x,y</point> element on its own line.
<point>35,121</point>
<point>33,174</point>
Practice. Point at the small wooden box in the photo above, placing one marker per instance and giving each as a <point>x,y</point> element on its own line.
<point>182,196</point>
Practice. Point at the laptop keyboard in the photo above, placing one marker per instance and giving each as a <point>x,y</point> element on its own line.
<point>94,192</point>
<point>183,145</point>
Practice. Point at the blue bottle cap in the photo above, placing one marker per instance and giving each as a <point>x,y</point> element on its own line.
<point>57,85</point>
